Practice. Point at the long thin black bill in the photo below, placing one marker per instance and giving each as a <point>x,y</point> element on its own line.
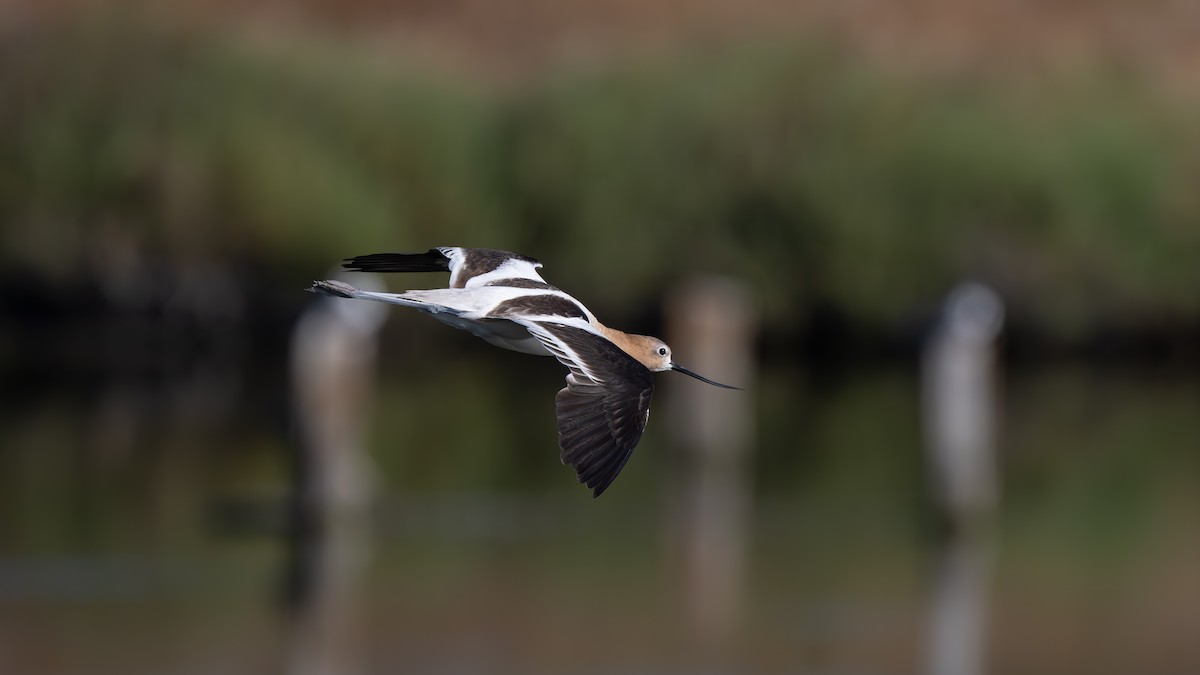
<point>680,369</point>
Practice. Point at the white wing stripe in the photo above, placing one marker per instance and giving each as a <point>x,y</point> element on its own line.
<point>567,356</point>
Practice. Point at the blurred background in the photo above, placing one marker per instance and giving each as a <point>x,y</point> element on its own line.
<point>951,249</point>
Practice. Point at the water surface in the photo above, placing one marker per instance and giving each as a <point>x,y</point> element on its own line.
<point>144,530</point>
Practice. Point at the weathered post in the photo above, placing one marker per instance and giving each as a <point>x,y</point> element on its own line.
<point>959,404</point>
<point>333,378</point>
<point>711,327</point>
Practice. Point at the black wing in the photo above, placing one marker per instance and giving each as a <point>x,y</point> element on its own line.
<point>602,411</point>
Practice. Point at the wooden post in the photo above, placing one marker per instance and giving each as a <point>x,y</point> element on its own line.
<point>711,327</point>
<point>959,405</point>
<point>333,380</point>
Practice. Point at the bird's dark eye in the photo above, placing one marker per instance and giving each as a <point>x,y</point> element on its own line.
<point>662,351</point>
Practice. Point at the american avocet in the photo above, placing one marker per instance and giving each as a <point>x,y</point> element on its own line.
<point>500,297</point>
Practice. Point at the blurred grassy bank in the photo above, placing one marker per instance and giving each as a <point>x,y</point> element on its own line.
<point>828,183</point>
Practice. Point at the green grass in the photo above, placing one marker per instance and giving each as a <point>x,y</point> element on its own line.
<point>815,177</point>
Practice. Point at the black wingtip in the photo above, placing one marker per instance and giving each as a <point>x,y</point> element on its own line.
<point>331,288</point>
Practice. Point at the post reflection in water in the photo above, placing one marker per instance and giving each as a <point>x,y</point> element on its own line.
<point>333,361</point>
<point>140,530</point>
<point>959,605</point>
<point>712,324</point>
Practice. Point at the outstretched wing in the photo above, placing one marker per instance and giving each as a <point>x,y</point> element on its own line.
<point>602,411</point>
<point>468,267</point>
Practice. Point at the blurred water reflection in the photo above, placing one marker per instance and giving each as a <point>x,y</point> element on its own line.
<point>143,533</point>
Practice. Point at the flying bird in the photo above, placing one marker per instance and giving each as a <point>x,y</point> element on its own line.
<point>500,297</point>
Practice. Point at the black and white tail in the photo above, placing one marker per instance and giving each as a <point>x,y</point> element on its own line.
<point>431,261</point>
<point>468,267</point>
